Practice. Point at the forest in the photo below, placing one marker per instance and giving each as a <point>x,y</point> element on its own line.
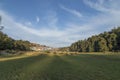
<point>107,41</point>
<point>7,43</point>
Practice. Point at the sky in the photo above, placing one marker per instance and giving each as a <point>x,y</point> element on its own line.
<point>58,23</point>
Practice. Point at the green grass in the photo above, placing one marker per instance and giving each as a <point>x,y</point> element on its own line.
<point>65,67</point>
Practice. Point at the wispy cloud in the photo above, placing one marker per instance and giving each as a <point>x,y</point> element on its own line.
<point>109,15</point>
<point>48,36</point>
<point>20,31</point>
<point>51,19</point>
<point>51,35</point>
<point>72,11</point>
<point>37,19</point>
<point>28,23</point>
<point>111,6</point>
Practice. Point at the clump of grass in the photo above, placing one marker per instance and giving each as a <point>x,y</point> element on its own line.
<point>54,52</point>
<point>46,51</point>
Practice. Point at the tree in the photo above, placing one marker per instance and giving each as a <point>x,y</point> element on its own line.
<point>11,44</point>
<point>1,27</point>
<point>101,45</point>
<point>107,41</point>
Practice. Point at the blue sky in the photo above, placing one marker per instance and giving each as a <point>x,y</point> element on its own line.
<point>58,23</point>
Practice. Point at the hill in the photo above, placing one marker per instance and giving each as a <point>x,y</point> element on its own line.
<point>107,41</point>
<point>8,43</point>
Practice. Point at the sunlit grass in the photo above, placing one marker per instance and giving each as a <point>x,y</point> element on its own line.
<point>89,66</point>
<point>12,57</point>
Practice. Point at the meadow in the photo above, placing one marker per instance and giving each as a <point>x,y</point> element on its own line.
<point>61,67</point>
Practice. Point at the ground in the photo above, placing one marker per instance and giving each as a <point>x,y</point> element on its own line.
<point>61,67</point>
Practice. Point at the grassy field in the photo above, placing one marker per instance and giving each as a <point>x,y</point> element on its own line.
<point>64,67</point>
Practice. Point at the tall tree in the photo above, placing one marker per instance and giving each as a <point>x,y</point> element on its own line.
<point>1,27</point>
<point>107,41</point>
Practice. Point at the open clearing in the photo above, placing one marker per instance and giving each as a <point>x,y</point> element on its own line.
<point>65,67</point>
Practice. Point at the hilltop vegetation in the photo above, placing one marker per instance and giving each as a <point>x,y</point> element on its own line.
<point>107,41</point>
<point>7,43</point>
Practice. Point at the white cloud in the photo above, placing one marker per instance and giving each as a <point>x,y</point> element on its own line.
<point>48,36</point>
<point>52,36</point>
<point>28,23</point>
<point>108,17</point>
<point>96,5</point>
<point>51,19</point>
<point>37,19</point>
<point>72,11</point>
<point>45,36</point>
<point>111,6</point>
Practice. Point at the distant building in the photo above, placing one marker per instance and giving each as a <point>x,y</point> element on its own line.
<point>38,47</point>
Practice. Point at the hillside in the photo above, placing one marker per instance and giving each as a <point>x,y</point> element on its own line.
<point>107,41</point>
<point>8,43</point>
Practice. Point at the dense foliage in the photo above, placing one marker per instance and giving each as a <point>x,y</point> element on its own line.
<point>63,49</point>
<point>7,43</point>
<point>107,41</point>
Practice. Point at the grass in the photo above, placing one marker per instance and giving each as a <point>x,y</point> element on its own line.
<point>65,67</point>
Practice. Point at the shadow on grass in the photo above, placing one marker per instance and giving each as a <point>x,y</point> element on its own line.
<point>12,69</point>
<point>78,67</point>
<point>105,57</point>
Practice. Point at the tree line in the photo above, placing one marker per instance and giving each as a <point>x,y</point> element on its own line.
<point>107,41</point>
<point>7,43</point>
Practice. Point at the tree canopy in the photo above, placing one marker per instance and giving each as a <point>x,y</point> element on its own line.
<point>107,41</point>
<point>7,43</point>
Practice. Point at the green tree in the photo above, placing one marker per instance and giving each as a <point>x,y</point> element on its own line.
<point>107,41</point>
